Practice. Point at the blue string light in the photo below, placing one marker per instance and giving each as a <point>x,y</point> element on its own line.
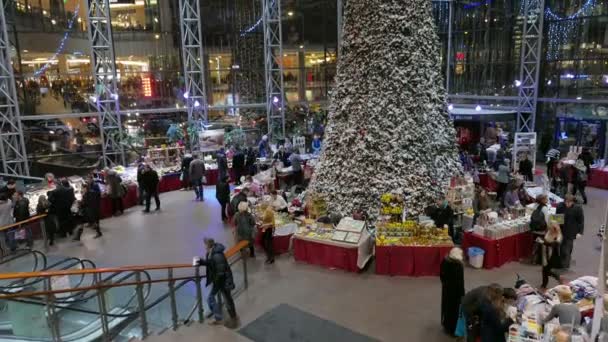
<point>477,4</point>
<point>61,46</point>
<point>254,26</point>
<point>560,29</point>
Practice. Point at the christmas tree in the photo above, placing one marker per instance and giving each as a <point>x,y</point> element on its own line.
<point>388,129</point>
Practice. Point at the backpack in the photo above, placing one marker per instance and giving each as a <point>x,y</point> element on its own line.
<point>537,221</point>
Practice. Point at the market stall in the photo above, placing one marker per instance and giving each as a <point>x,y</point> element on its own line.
<point>284,231</point>
<point>347,247</point>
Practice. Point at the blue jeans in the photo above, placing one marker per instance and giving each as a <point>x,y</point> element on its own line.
<point>215,306</point>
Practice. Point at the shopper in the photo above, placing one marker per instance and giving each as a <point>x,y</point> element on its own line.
<point>150,184</point>
<point>278,202</point>
<point>566,312</point>
<point>282,156</point>
<point>526,169</point>
<point>472,303</point>
<point>238,165</point>
<point>90,206</point>
<point>539,220</point>
<point>452,289</point>
<point>296,167</point>
<point>6,215</point>
<point>267,228</point>
<point>551,254</point>
<point>186,170</point>
<point>42,208</point>
<point>493,321</point>
<point>236,200</point>
<point>245,226</point>
<point>219,276</point>
<point>197,173</point>
<point>502,178</point>
<point>222,164</point>
<point>481,201</point>
<point>572,229</point>
<point>116,191</point>
<point>580,179</point>
<point>511,199</point>
<point>140,188</point>
<point>62,199</point>
<point>21,210</point>
<point>222,193</point>
<point>250,161</point>
<point>264,147</point>
<point>552,158</point>
<point>443,215</point>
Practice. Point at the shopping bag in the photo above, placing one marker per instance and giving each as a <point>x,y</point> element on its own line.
<point>461,325</point>
<point>20,234</point>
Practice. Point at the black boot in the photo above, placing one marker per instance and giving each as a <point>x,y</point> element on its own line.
<point>78,234</point>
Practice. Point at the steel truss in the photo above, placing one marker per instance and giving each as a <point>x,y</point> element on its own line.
<point>104,75</point>
<point>531,49</point>
<point>194,61</point>
<point>12,145</point>
<point>273,66</point>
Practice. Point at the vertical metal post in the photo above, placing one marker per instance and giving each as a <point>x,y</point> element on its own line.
<point>245,270</point>
<point>141,305</point>
<point>50,311</point>
<point>529,71</point>
<point>199,294</point>
<point>174,317</point>
<point>103,64</point>
<point>103,309</point>
<point>195,95</point>
<point>273,67</point>
<point>340,14</point>
<point>448,55</point>
<point>12,144</point>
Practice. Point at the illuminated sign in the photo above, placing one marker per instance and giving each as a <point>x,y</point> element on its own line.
<point>146,83</point>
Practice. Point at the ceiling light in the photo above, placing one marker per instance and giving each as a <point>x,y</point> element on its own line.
<point>478,108</point>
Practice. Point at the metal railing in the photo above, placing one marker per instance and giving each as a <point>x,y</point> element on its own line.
<point>8,239</point>
<point>52,297</point>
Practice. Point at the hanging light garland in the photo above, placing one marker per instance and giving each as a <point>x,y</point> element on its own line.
<point>561,29</point>
<point>254,26</point>
<point>61,46</point>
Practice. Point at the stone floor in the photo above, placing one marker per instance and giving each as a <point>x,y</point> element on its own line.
<point>385,308</point>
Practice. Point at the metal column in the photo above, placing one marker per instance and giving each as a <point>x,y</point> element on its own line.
<point>273,66</point>
<point>103,63</point>
<point>194,62</point>
<point>340,24</point>
<point>531,48</point>
<point>12,145</point>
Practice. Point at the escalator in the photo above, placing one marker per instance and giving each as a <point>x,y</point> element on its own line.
<point>23,260</point>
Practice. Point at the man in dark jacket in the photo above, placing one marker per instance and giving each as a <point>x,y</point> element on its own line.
<point>62,199</point>
<point>186,171</point>
<point>222,193</point>
<point>443,215</point>
<point>90,206</point>
<point>238,165</point>
<point>149,182</point>
<point>197,173</point>
<point>219,275</point>
<point>525,169</point>
<point>572,229</point>
<point>140,189</point>
<point>472,304</point>
<point>240,197</point>
<point>21,210</point>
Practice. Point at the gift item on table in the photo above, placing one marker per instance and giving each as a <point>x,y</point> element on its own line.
<point>503,228</point>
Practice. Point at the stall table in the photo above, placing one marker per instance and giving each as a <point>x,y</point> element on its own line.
<point>170,182</point>
<point>501,251</point>
<point>598,178</point>
<point>416,261</point>
<point>334,254</point>
<point>281,239</point>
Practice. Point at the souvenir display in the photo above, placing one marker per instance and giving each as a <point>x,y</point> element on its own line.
<point>494,225</point>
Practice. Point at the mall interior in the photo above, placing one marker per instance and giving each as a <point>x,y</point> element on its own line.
<point>322,170</point>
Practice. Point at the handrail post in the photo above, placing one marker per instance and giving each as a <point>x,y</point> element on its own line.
<point>50,311</point>
<point>199,294</point>
<point>141,305</point>
<point>44,235</point>
<point>174,316</point>
<point>244,257</point>
<point>103,309</point>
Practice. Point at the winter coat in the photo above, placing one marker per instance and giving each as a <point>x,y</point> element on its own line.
<point>245,226</point>
<point>186,164</point>
<point>61,199</point>
<point>6,213</point>
<point>442,216</point>
<point>238,161</point>
<point>525,169</point>
<point>217,267</point>
<point>236,200</point>
<point>91,205</point>
<point>503,174</point>
<point>574,220</point>
<point>452,289</point>
<point>149,181</point>
<point>493,326</point>
<point>197,169</point>
<point>250,159</point>
<point>472,300</point>
<point>114,183</point>
<point>222,166</point>
<point>21,211</point>
<point>222,192</point>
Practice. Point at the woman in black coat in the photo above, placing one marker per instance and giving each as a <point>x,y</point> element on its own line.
<point>222,193</point>
<point>452,289</point>
<point>90,209</point>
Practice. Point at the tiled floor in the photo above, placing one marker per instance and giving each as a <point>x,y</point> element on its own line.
<point>386,308</point>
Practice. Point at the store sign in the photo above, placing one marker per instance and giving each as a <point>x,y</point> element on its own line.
<point>146,83</point>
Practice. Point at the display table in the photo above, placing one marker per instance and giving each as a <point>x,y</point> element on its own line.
<point>333,254</point>
<point>487,182</point>
<point>598,178</point>
<point>170,182</point>
<point>130,200</point>
<point>281,239</point>
<point>415,261</point>
<point>499,252</point>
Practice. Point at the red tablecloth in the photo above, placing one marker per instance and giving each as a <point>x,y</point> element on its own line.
<point>598,179</point>
<point>325,255</point>
<point>414,261</point>
<point>280,243</point>
<point>499,252</point>
<point>487,182</point>
<point>130,200</point>
<point>170,182</point>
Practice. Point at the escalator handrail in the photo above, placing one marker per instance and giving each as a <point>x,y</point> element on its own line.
<point>36,254</point>
<point>75,261</point>
<point>23,275</point>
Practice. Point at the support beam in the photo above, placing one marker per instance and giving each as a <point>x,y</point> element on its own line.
<point>12,145</point>
<point>103,64</point>
<point>531,48</point>
<point>194,62</point>
<point>273,66</point>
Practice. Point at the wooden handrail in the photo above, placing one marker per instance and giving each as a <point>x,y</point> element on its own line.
<point>17,224</point>
<point>25,275</point>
